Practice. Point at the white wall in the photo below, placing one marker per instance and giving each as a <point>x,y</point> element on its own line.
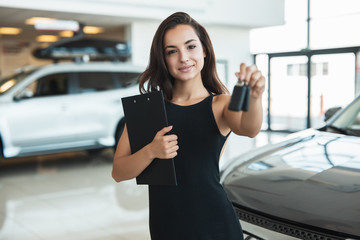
<point>232,45</point>
<point>140,35</point>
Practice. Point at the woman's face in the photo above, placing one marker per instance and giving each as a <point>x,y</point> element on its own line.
<point>184,54</point>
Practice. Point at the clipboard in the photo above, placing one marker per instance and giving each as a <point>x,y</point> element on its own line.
<point>145,115</point>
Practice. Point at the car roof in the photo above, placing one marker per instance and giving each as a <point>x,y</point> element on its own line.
<point>79,46</point>
<point>93,66</point>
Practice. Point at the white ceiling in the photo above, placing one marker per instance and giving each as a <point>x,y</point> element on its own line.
<point>15,17</point>
<point>113,15</point>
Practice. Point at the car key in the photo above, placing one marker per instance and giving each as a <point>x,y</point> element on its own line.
<point>245,106</point>
<point>240,98</point>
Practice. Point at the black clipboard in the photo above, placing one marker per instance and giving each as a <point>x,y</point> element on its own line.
<point>145,115</point>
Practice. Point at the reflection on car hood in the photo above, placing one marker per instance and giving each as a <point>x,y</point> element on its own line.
<point>313,179</point>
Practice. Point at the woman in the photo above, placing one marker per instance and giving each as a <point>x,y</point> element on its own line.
<point>182,65</point>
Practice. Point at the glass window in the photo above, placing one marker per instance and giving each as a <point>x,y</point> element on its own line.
<point>350,119</point>
<point>332,25</point>
<point>332,84</point>
<point>288,93</point>
<point>262,62</point>
<point>51,85</point>
<point>336,32</point>
<point>333,8</point>
<point>95,81</point>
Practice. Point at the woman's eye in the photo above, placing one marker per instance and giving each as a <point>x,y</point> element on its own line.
<point>171,52</point>
<point>192,47</point>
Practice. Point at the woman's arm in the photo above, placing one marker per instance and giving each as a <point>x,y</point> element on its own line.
<point>127,166</point>
<point>240,122</point>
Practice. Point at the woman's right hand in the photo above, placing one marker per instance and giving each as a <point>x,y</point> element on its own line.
<point>164,146</point>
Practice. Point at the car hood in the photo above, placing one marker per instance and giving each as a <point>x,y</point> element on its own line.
<point>312,179</point>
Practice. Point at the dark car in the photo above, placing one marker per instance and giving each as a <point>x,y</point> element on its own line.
<point>79,47</point>
<point>304,187</point>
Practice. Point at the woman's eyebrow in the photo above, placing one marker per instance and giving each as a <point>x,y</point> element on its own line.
<point>187,42</point>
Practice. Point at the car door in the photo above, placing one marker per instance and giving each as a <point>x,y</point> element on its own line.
<point>42,121</point>
<point>96,113</point>
<point>99,106</point>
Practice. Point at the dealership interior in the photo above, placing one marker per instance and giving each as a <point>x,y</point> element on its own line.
<point>308,51</point>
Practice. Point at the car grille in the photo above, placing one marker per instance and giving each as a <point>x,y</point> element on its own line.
<point>281,227</point>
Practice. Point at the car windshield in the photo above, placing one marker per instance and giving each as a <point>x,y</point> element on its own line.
<point>7,83</point>
<point>348,122</point>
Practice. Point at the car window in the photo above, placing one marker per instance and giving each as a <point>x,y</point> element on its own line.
<point>356,123</point>
<point>127,79</point>
<point>95,81</point>
<point>350,118</point>
<point>50,85</point>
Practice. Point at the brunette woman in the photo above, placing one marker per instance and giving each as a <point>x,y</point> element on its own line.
<point>182,65</point>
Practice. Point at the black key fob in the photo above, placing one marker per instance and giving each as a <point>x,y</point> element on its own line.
<point>240,98</point>
<point>245,106</point>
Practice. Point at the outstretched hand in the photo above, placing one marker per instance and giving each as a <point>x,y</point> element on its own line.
<point>164,146</point>
<point>253,77</point>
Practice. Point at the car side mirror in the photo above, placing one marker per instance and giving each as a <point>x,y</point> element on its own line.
<point>331,112</point>
<point>23,94</point>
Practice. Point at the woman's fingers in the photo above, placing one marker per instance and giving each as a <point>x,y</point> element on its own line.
<point>246,72</point>
<point>163,131</point>
<point>249,73</point>
<point>165,146</point>
<point>253,77</point>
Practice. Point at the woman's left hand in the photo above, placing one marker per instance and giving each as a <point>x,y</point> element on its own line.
<point>253,77</point>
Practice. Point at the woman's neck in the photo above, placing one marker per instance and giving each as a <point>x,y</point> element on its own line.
<point>188,92</point>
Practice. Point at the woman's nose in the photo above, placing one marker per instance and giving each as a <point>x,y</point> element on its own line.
<point>184,57</point>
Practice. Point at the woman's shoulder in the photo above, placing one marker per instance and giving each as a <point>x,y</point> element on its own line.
<point>220,101</point>
<point>221,98</point>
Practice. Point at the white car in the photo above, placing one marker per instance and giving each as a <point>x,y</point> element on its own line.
<point>64,107</point>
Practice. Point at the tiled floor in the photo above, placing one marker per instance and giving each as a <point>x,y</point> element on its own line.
<point>72,196</point>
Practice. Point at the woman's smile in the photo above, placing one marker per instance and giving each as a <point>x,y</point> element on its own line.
<point>186,68</point>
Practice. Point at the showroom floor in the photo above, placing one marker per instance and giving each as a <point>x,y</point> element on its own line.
<point>72,196</point>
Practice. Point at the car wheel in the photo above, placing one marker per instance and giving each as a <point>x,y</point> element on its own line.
<point>119,131</point>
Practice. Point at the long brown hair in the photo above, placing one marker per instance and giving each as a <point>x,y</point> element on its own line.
<point>157,74</point>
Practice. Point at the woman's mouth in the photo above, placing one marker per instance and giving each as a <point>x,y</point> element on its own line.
<point>186,68</point>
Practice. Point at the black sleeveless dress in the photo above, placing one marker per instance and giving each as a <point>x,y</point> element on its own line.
<point>198,208</point>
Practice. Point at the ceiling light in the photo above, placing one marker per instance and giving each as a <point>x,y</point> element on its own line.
<point>9,31</point>
<point>47,38</point>
<point>57,25</point>
<point>66,34</point>
<point>33,20</point>
<point>93,30</point>
<point>7,85</point>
